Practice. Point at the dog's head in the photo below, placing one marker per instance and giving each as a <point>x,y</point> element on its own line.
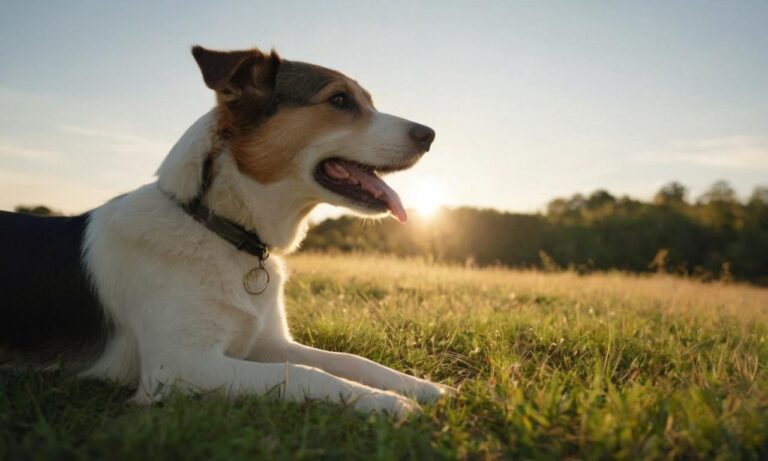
<point>284,119</point>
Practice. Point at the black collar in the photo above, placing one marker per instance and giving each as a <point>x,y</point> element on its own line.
<point>240,237</point>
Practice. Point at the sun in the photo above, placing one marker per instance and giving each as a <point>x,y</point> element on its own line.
<point>427,196</point>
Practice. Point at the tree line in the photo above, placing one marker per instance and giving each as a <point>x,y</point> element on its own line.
<point>716,236</point>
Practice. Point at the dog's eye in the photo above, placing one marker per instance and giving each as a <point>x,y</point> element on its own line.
<point>340,100</point>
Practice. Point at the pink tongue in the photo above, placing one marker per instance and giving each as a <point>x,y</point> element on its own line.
<point>369,183</point>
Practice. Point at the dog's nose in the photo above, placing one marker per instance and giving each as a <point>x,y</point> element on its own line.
<point>422,135</point>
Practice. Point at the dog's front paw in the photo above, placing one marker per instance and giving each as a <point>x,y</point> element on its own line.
<point>429,392</point>
<point>388,402</point>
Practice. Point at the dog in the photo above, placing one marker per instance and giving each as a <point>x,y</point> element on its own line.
<point>179,283</point>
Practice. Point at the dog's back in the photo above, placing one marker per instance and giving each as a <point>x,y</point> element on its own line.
<point>49,310</point>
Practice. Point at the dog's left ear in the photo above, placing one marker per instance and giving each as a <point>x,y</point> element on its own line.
<point>238,74</point>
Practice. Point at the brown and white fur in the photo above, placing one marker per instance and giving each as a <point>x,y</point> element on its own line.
<point>172,290</point>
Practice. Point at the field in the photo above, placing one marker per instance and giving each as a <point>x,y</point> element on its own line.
<point>548,366</point>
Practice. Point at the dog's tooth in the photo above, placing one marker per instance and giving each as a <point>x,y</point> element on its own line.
<point>371,188</point>
<point>336,171</point>
<point>329,169</point>
<point>340,171</point>
<point>368,187</point>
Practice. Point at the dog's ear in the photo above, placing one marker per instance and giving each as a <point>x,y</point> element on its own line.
<point>237,74</point>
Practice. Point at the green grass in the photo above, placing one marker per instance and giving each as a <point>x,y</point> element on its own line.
<point>548,366</point>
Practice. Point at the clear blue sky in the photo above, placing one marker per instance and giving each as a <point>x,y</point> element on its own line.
<point>530,100</point>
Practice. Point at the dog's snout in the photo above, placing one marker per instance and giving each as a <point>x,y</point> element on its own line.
<point>422,135</point>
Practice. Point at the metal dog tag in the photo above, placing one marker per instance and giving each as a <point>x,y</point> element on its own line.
<point>256,280</point>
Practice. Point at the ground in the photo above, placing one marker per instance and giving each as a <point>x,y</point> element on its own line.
<point>548,366</point>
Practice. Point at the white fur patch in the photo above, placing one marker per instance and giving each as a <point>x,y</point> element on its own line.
<point>181,172</point>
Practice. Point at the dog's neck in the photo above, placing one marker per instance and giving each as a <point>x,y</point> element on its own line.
<point>277,212</point>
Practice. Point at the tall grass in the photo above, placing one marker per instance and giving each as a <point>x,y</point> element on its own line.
<point>549,366</point>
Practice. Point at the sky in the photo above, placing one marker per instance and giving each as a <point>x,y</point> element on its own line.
<point>530,100</point>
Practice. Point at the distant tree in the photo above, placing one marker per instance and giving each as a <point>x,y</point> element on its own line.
<point>577,203</point>
<point>720,191</point>
<point>719,208</point>
<point>759,196</point>
<point>557,207</point>
<point>36,209</point>
<point>757,209</point>
<point>567,210</point>
<point>627,204</point>
<point>599,204</point>
<point>599,199</point>
<point>672,194</point>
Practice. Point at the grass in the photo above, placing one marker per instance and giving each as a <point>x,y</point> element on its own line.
<point>549,366</point>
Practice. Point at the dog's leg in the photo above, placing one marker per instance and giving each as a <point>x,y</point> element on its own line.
<point>355,368</point>
<point>207,372</point>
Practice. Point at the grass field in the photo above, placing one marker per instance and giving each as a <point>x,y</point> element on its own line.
<point>548,366</point>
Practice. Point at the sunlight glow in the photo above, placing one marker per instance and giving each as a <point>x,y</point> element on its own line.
<point>427,196</point>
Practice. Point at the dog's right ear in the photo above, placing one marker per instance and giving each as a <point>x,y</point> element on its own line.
<point>237,74</point>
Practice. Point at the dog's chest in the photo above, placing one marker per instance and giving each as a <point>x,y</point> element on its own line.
<point>243,335</point>
<point>256,318</point>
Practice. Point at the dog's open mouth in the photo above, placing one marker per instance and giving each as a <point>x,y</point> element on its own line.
<point>362,184</point>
